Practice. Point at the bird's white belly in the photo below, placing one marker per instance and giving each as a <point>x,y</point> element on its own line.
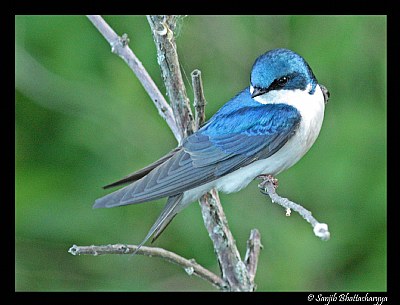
<point>311,108</point>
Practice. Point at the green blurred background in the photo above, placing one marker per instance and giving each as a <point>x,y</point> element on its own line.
<point>83,120</point>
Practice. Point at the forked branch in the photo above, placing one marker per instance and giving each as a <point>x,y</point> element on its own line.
<point>236,274</point>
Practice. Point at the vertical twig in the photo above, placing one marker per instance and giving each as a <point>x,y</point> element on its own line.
<point>167,57</point>
<point>253,252</point>
<point>233,270</point>
<point>199,101</point>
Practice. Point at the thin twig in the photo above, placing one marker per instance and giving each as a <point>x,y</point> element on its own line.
<point>189,265</point>
<point>119,46</point>
<point>253,252</point>
<point>267,187</point>
<point>162,27</point>
<point>199,101</point>
<point>233,269</point>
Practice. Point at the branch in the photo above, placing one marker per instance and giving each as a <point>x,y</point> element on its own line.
<point>253,251</point>
<point>199,101</point>
<point>190,265</point>
<point>237,275</point>
<point>119,46</point>
<point>162,28</point>
<point>233,269</point>
<point>268,187</point>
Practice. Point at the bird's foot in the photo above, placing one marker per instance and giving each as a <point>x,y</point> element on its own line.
<point>266,179</point>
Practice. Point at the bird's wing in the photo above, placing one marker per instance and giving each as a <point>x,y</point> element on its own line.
<point>158,183</point>
<point>247,133</point>
<point>243,137</point>
<point>142,172</point>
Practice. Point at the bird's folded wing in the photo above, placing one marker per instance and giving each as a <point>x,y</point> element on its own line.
<point>207,155</point>
<point>142,172</point>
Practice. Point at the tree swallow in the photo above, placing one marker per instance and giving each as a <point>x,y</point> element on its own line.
<point>263,130</point>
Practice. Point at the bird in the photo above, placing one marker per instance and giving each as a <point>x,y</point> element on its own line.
<point>263,130</point>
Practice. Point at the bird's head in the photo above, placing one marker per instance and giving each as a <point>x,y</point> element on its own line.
<point>280,69</point>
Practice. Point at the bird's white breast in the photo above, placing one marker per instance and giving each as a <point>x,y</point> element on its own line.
<point>311,108</point>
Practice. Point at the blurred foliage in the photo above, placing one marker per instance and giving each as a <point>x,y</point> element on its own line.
<point>83,120</point>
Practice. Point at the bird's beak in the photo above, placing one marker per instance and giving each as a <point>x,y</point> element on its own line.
<point>257,92</point>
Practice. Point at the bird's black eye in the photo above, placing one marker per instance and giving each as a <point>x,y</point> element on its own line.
<point>279,83</point>
<point>282,81</point>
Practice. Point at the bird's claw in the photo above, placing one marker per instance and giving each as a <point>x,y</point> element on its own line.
<point>266,179</point>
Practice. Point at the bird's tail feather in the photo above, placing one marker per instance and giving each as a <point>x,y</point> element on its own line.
<point>171,208</point>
